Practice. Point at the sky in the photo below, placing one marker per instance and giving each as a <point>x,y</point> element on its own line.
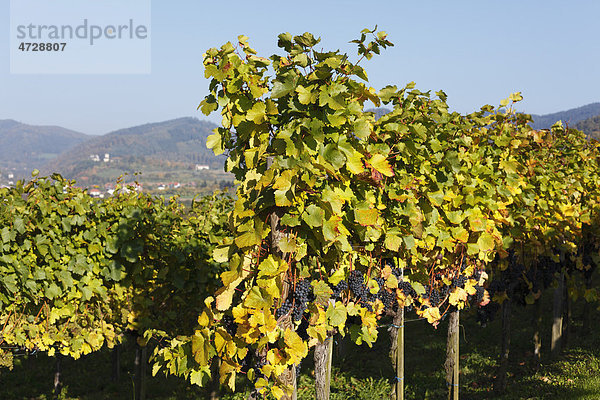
<point>478,52</point>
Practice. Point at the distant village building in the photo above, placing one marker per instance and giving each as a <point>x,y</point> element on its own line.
<point>201,167</point>
<point>106,157</point>
<point>10,175</point>
<point>95,157</point>
<point>95,193</point>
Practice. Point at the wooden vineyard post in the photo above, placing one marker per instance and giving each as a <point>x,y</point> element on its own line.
<point>323,355</point>
<point>505,350</point>
<point>587,308</point>
<point>57,382</point>
<point>329,362</point>
<point>537,339</point>
<point>567,313</point>
<point>140,372</point>
<point>323,358</point>
<point>214,385</point>
<point>557,316</point>
<point>116,363</point>
<point>397,350</point>
<point>452,355</point>
<point>289,375</point>
<point>400,357</point>
<point>456,356</point>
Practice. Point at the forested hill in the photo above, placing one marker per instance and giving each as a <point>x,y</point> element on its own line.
<point>571,117</point>
<point>590,126</point>
<point>26,147</point>
<point>181,140</point>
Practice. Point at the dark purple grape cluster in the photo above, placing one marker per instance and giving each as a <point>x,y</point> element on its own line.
<point>479,294</point>
<point>459,281</point>
<point>229,324</point>
<point>284,309</point>
<point>434,297</point>
<point>487,313</point>
<point>388,299</point>
<point>339,289</point>
<point>302,296</point>
<point>407,289</point>
<point>356,283</point>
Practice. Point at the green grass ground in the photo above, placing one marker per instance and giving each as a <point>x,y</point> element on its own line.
<point>360,372</point>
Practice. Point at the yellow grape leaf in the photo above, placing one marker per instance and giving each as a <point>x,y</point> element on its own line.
<point>458,297</point>
<point>367,217</point>
<point>337,276</point>
<point>318,334</point>
<point>255,299</point>
<point>225,297</point>
<point>393,242</point>
<point>391,282</point>
<point>459,233</point>
<point>203,319</point>
<point>482,278</point>
<point>432,314</point>
<point>296,348</point>
<point>336,314</point>
<point>354,163</point>
<point>352,309</point>
<point>470,287</point>
<point>486,242</point>
<point>198,350</point>
<point>227,374</point>
<point>284,181</point>
<point>271,267</point>
<point>275,357</point>
<point>386,271</point>
<point>277,392</point>
<point>381,164</point>
<point>230,277</point>
<point>221,254</point>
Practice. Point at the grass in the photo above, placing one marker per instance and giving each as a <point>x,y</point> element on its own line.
<point>359,372</point>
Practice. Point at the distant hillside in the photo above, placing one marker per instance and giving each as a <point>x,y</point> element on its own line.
<point>24,148</point>
<point>571,117</point>
<point>379,111</point>
<point>178,143</point>
<point>590,127</point>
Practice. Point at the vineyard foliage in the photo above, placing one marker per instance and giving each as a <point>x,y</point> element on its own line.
<point>78,272</point>
<point>339,220</point>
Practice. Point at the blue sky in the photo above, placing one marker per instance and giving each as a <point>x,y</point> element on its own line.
<point>477,51</point>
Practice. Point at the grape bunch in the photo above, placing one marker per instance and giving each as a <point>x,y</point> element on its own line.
<point>435,297</point>
<point>284,309</point>
<point>459,281</point>
<point>356,283</point>
<point>302,296</point>
<point>407,289</point>
<point>479,294</point>
<point>253,361</point>
<point>229,324</point>
<point>338,289</point>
